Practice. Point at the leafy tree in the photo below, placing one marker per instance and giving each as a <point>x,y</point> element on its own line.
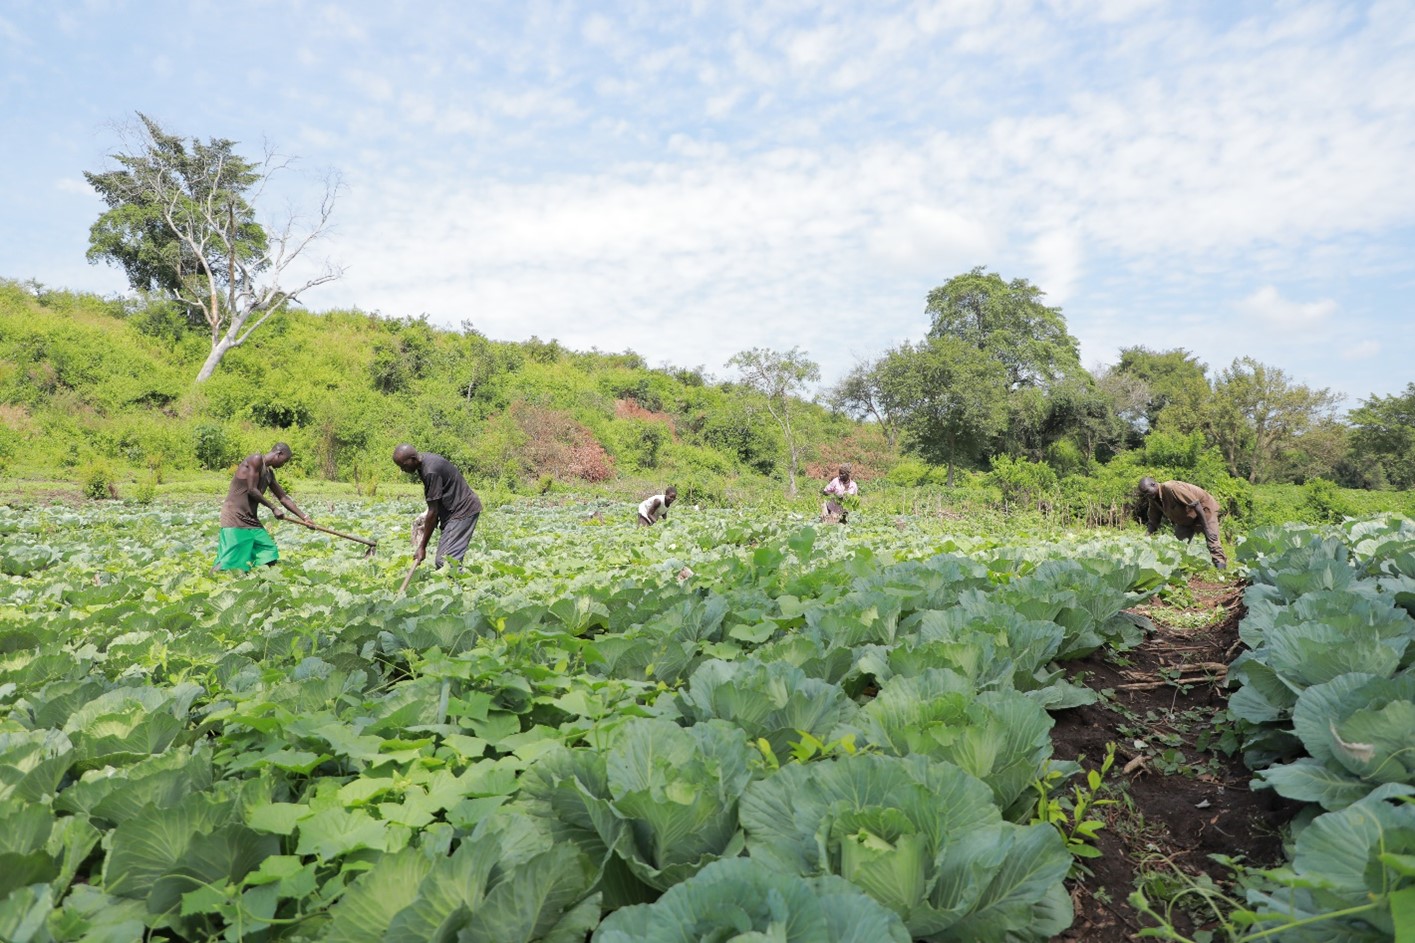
<point>180,222</point>
<point>403,356</point>
<point>1008,322</point>
<point>779,377</point>
<point>1383,438</point>
<point>1179,391</point>
<point>1084,411</point>
<point>1320,452</point>
<point>860,395</point>
<point>1129,397</point>
<point>732,425</point>
<point>950,397</point>
<point>1258,413</point>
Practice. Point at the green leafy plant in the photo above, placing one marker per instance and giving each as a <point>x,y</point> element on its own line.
<point>806,750</point>
<point>99,481</point>
<point>903,829</point>
<point>1073,815</point>
<point>213,447</point>
<point>742,896</point>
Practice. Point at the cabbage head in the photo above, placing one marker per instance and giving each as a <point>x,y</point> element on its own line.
<point>744,900</point>
<point>920,836</point>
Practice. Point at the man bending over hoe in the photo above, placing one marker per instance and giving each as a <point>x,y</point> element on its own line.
<point>244,542</point>
<point>657,507</point>
<point>1188,507</point>
<point>451,503</point>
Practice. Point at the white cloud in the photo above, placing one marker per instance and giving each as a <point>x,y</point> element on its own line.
<point>1058,257</point>
<point>376,86</point>
<point>1362,351</point>
<point>1267,304</point>
<point>12,33</point>
<point>600,30</point>
<point>73,185</point>
<point>746,172</point>
<point>1107,11</point>
<point>813,48</point>
<point>927,239</point>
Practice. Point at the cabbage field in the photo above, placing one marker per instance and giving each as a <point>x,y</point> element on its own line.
<point>714,727</point>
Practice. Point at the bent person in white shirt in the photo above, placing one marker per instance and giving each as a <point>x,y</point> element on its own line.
<point>656,507</point>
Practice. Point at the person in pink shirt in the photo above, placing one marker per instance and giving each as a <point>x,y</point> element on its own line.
<point>840,486</point>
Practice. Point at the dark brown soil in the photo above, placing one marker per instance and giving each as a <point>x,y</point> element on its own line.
<point>1169,814</point>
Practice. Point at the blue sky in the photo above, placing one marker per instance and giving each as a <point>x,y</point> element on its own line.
<point>689,179</point>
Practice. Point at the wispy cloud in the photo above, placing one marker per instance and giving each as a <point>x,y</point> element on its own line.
<point>1362,351</point>
<point>1268,305</point>
<point>693,179</point>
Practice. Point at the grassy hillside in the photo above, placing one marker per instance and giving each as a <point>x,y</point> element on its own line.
<point>91,387</point>
<point>97,393</point>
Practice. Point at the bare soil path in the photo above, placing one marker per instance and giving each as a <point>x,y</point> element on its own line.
<point>1179,797</point>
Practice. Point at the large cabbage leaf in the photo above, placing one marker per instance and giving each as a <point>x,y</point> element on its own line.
<point>1001,737</point>
<point>508,880</point>
<point>1350,871</point>
<point>744,900</point>
<point>1359,730</point>
<point>773,701</point>
<point>662,798</point>
<point>922,837</point>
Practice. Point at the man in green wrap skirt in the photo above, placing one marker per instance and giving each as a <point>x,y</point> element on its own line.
<point>244,543</point>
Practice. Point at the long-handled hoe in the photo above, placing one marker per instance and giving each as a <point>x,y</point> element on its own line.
<point>418,523</point>
<point>407,579</point>
<point>371,544</point>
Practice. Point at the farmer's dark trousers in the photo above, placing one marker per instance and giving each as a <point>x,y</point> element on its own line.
<point>1208,523</point>
<point>456,534</point>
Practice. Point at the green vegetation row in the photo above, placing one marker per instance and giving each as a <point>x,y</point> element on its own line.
<point>592,728</point>
<point>1325,706</point>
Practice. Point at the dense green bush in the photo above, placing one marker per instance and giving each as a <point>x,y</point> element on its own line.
<point>213,447</point>
<point>1324,502</point>
<point>908,473</point>
<point>98,481</point>
<point>1021,482</point>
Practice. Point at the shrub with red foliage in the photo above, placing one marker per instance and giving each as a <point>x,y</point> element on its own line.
<point>864,450</point>
<point>630,409</point>
<point>559,446</point>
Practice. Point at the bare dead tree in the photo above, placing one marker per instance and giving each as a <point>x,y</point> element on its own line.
<point>181,221</point>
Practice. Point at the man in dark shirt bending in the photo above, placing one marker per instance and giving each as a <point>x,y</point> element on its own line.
<point>451,503</point>
<point>244,542</point>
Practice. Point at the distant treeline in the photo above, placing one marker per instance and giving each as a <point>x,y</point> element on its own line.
<point>991,408</point>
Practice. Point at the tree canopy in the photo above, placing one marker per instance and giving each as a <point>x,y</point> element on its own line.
<point>860,395</point>
<point>1258,413</point>
<point>779,377</point>
<point>1383,439</point>
<point>1178,388</point>
<point>1008,322</point>
<point>950,397</point>
<point>181,223</point>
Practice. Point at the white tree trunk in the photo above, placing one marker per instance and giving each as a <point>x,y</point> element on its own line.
<point>218,350</point>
